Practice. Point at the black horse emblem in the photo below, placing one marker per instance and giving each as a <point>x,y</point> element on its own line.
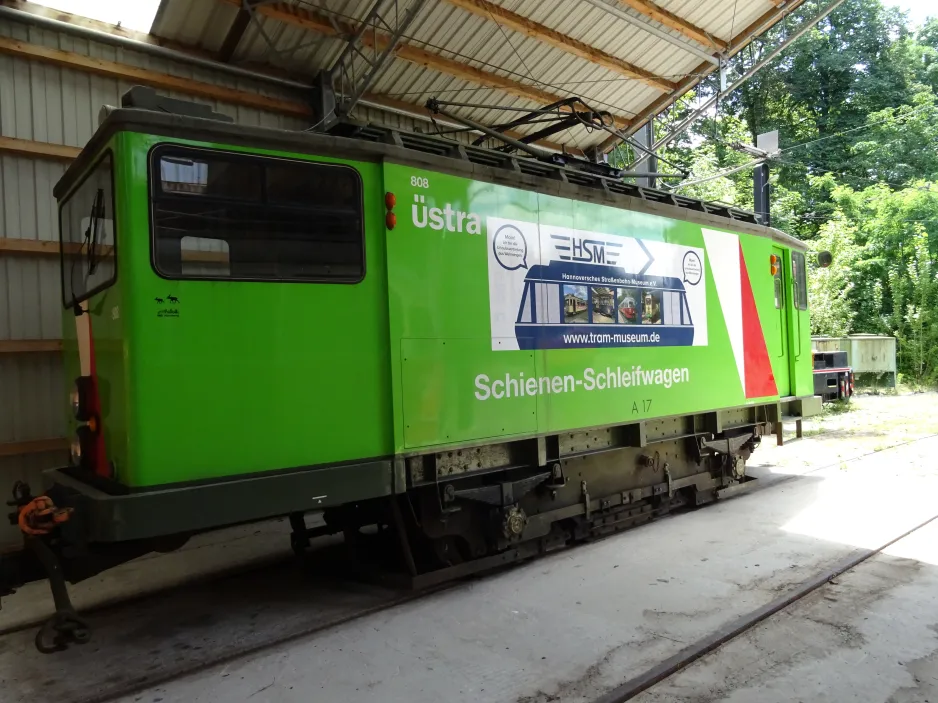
<point>159,300</point>
<point>172,299</point>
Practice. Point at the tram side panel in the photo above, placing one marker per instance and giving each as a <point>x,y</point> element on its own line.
<point>522,313</point>
<point>295,371</point>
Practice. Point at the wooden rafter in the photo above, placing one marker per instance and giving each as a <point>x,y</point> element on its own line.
<point>542,33</point>
<point>33,446</point>
<point>35,247</point>
<point>40,247</point>
<point>41,150</point>
<point>672,21</point>
<point>235,32</point>
<point>329,26</point>
<point>27,346</point>
<point>164,81</point>
<point>198,89</point>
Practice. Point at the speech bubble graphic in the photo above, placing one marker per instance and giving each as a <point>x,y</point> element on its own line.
<point>510,248</point>
<point>693,270</point>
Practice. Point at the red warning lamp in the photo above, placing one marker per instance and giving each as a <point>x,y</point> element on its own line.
<point>390,200</point>
<point>773,260</point>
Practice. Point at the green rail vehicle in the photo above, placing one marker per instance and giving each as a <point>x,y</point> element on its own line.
<point>486,356</point>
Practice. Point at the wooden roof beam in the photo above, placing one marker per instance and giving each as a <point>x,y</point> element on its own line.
<point>672,21</point>
<point>79,62</point>
<point>34,446</point>
<point>30,346</point>
<point>38,150</point>
<point>328,26</point>
<point>523,25</point>
<point>236,31</point>
<point>40,247</point>
<point>154,79</point>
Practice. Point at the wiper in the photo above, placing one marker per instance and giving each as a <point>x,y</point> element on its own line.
<point>91,234</point>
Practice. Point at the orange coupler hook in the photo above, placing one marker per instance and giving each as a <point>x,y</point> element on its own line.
<point>40,516</point>
<point>37,519</point>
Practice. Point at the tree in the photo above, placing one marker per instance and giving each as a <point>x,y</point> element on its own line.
<point>884,278</point>
<point>855,101</point>
<point>829,290</point>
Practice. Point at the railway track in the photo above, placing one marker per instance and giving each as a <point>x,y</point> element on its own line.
<point>156,639</point>
<point>635,685</point>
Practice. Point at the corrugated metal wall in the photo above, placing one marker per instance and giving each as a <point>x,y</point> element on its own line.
<point>58,105</point>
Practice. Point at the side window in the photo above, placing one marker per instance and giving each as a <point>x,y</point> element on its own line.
<point>799,280</point>
<point>87,236</point>
<point>244,217</point>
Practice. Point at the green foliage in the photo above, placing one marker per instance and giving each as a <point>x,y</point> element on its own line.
<point>829,290</point>
<point>891,150</point>
<point>855,101</point>
<point>884,278</point>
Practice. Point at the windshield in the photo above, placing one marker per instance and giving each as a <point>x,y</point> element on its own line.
<point>86,231</point>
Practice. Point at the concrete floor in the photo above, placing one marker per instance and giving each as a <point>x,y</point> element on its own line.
<point>571,627</point>
<point>574,625</point>
<point>872,635</point>
<point>209,554</point>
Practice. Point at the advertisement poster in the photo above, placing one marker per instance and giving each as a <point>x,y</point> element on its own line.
<point>557,288</point>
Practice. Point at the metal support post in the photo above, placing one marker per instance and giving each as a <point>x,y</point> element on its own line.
<point>365,56</point>
<point>646,137</point>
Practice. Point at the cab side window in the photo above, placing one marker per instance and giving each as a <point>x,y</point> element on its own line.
<point>254,218</point>
<point>87,235</point>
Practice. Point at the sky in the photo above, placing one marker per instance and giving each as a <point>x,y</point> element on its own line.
<point>130,14</point>
<point>918,10</point>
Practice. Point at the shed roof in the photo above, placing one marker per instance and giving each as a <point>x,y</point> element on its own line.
<point>631,58</point>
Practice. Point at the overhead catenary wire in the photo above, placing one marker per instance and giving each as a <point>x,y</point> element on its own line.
<point>843,174</point>
<point>901,117</point>
<point>722,174</point>
<point>867,125</point>
<point>561,84</point>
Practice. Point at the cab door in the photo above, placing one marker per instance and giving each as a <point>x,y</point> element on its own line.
<point>778,347</point>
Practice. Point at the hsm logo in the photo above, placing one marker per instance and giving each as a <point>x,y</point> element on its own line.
<point>588,251</point>
<point>447,218</point>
